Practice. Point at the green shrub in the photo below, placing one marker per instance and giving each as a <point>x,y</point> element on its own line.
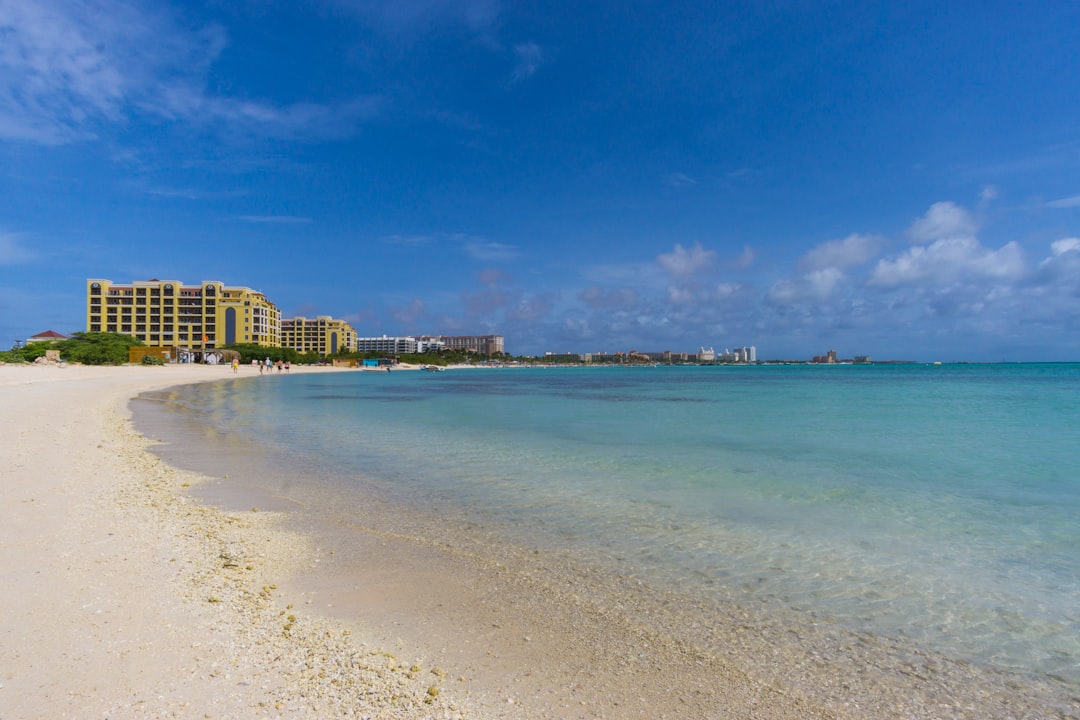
<point>27,353</point>
<point>97,348</point>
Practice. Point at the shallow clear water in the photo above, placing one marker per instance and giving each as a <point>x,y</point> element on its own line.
<point>938,503</point>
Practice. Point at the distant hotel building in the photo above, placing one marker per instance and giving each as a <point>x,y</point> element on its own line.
<point>198,318</point>
<point>407,345</point>
<point>323,335</point>
<point>167,313</point>
<point>482,344</point>
<point>212,315</point>
<point>388,345</point>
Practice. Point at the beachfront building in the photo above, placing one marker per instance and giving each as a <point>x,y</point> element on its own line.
<point>191,318</point>
<point>47,336</point>
<point>481,344</point>
<point>430,344</point>
<point>323,335</point>
<point>388,345</point>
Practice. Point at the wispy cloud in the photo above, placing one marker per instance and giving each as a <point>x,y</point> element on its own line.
<point>422,15</point>
<point>529,57</point>
<point>69,66</point>
<point>275,219</point>
<point>1069,202</point>
<point>814,287</point>
<point>487,300</point>
<point>489,250</point>
<point>531,308</point>
<point>678,180</point>
<point>744,259</point>
<point>11,250</point>
<point>492,277</point>
<point>597,297</point>
<point>407,240</point>
<point>299,121</point>
<point>410,313</point>
<point>72,68</point>
<point>186,194</point>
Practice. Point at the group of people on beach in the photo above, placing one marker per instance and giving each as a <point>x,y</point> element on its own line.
<point>266,366</point>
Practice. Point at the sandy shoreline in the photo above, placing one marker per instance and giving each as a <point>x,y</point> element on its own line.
<point>125,598</point>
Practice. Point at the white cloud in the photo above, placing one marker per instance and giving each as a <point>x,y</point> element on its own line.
<point>71,68</point>
<point>1059,247</point>
<point>745,258</point>
<point>1063,265</point>
<point>11,252</point>
<point>69,65</point>
<point>814,287</point>
<point>679,180</point>
<point>407,240</point>
<point>947,261</point>
<point>409,314</point>
<point>188,102</point>
<point>851,251</point>
<point>493,277</point>
<point>724,291</point>
<point>685,262</point>
<point>681,295</point>
<point>942,220</point>
<point>275,219</point>
<point>489,250</point>
<point>597,297</point>
<point>487,300</point>
<point>422,15</point>
<point>1069,202</point>
<point>531,309</point>
<point>529,57</point>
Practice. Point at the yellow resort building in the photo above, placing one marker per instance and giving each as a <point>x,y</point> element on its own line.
<point>196,318</point>
<point>323,335</point>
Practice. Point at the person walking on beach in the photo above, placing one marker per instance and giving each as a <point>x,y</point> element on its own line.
<point>286,366</point>
<point>235,365</point>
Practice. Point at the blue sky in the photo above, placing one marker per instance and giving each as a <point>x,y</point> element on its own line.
<point>900,180</point>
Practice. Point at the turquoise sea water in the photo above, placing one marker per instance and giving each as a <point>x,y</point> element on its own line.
<point>935,503</point>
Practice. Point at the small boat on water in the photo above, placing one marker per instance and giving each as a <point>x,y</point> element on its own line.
<point>434,368</point>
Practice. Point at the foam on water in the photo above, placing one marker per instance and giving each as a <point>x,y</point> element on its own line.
<point>940,503</point>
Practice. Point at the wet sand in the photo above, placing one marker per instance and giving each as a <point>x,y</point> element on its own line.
<point>154,605</point>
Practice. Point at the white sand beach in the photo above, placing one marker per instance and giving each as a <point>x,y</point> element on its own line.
<point>122,597</point>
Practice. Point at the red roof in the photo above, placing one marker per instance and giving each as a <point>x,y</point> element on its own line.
<point>49,335</point>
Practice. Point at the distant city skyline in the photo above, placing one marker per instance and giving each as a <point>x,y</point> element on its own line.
<point>898,181</point>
